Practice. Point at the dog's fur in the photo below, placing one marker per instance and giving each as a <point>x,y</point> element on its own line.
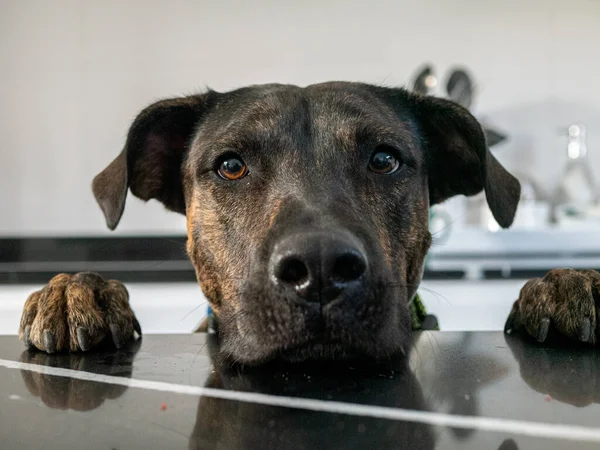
<point>562,304</point>
<point>307,151</point>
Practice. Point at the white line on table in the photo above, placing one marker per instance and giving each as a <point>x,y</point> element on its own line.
<point>527,428</point>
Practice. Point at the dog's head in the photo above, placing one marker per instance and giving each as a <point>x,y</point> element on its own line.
<point>307,208</point>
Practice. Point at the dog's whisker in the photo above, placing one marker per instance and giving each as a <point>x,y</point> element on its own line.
<point>234,317</point>
<point>419,287</point>
<point>384,80</point>
<point>437,294</point>
<point>200,350</point>
<point>195,308</point>
<point>441,230</point>
<point>152,266</point>
<point>177,243</point>
<point>444,228</point>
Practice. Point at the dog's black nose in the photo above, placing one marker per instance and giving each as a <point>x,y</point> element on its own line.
<point>318,265</point>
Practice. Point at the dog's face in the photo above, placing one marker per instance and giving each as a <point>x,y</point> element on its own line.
<point>307,208</point>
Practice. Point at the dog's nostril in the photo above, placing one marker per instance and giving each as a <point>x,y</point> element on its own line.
<point>293,271</point>
<point>348,267</point>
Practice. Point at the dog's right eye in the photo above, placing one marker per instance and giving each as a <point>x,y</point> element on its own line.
<point>232,168</point>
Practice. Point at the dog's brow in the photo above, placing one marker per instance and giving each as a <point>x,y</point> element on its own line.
<point>248,142</point>
<point>361,134</point>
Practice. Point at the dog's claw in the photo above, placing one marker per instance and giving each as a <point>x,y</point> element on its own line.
<point>26,334</point>
<point>543,330</point>
<point>512,320</point>
<point>137,327</point>
<point>509,325</point>
<point>49,343</point>
<point>585,331</point>
<point>116,335</point>
<point>83,338</point>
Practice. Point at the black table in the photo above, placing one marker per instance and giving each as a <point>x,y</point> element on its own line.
<point>459,390</point>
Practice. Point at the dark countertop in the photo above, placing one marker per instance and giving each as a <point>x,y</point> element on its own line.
<point>497,391</point>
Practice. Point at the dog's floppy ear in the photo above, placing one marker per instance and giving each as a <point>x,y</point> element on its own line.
<point>458,159</point>
<point>150,163</point>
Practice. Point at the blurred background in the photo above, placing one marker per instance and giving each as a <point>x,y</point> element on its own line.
<point>74,74</point>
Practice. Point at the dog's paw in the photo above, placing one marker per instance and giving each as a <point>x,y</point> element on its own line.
<point>76,313</point>
<point>562,305</point>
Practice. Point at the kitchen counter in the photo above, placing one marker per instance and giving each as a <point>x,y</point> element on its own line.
<point>479,390</point>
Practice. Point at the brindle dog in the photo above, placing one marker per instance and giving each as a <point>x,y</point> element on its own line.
<point>307,216</point>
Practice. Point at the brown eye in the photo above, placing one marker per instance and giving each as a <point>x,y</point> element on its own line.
<point>232,168</point>
<point>384,161</point>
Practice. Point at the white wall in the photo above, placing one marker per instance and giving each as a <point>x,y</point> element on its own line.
<point>74,74</point>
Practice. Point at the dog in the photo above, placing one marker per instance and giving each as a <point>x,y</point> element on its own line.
<point>307,217</point>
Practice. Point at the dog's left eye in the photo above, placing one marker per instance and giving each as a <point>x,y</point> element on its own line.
<point>384,161</point>
<point>232,168</point>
